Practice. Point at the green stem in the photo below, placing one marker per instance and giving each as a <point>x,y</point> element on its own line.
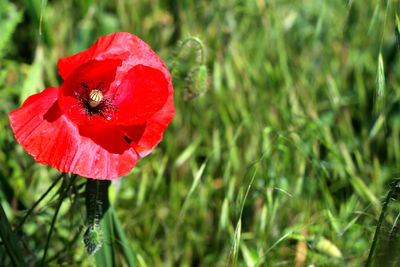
<point>61,200</point>
<point>95,204</point>
<point>38,201</point>
<point>184,43</point>
<point>67,248</point>
<point>380,221</point>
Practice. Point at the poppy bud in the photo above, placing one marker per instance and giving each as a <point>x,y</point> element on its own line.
<point>197,82</point>
<point>93,239</point>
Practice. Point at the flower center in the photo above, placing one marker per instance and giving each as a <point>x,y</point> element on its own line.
<point>92,101</point>
<point>95,98</point>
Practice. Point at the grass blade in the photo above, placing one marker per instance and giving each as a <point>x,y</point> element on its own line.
<point>233,254</point>
<point>42,8</point>
<point>195,183</point>
<point>38,201</point>
<point>105,256</point>
<point>391,192</point>
<point>63,195</point>
<point>381,89</point>
<point>122,239</point>
<point>9,240</point>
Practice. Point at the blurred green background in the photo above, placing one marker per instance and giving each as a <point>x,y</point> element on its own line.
<point>283,160</point>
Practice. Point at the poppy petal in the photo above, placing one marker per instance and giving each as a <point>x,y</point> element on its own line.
<point>142,92</point>
<point>119,45</point>
<point>51,138</point>
<point>145,137</point>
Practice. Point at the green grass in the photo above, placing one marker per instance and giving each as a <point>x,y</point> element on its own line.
<point>285,159</point>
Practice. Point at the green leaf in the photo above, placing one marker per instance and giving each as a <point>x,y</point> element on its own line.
<point>10,241</point>
<point>105,256</point>
<point>122,240</point>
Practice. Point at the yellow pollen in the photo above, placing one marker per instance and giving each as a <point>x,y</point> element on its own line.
<point>96,96</point>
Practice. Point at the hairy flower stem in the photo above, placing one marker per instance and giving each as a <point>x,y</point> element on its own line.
<point>96,208</point>
<point>38,201</point>
<point>97,204</point>
<point>97,201</point>
<point>184,43</point>
<point>63,195</point>
<point>395,186</point>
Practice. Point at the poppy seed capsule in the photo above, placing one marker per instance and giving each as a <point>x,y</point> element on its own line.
<point>96,96</point>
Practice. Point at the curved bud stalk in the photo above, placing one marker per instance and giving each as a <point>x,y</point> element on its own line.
<point>197,79</point>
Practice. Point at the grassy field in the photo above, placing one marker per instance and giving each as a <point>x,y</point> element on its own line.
<point>285,159</point>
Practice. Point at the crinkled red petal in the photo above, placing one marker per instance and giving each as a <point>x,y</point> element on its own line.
<point>51,138</point>
<point>119,45</point>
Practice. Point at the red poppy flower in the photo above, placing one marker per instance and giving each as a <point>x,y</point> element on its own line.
<point>112,108</point>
